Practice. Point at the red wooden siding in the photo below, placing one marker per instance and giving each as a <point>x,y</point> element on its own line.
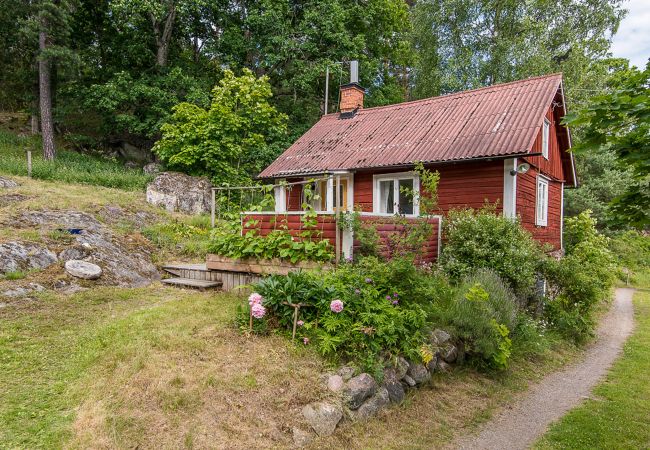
<point>461,185</point>
<point>265,223</point>
<point>552,167</point>
<point>526,206</point>
<point>385,227</point>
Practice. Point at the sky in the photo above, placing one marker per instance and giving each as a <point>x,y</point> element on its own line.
<point>633,38</point>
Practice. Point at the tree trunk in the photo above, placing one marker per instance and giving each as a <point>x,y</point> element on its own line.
<point>164,36</point>
<point>45,96</point>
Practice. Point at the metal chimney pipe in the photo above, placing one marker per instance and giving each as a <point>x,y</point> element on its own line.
<point>354,71</point>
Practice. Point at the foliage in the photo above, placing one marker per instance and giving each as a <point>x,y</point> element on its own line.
<point>481,314</point>
<point>187,236</point>
<point>384,313</point>
<point>632,249</point>
<point>69,167</point>
<point>619,122</point>
<point>484,239</point>
<point>232,140</point>
<point>462,45</point>
<point>580,280</point>
<point>236,240</point>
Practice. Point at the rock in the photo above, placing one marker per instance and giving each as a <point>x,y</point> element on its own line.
<point>358,389</point>
<point>36,287</point>
<point>346,372</point>
<point>73,253</point>
<point>17,292</point>
<point>323,417</point>
<point>373,405</point>
<point>131,165</point>
<point>402,367</point>
<point>152,168</point>
<point>449,353</point>
<point>83,269</point>
<point>439,337</point>
<point>124,263</point>
<point>418,373</point>
<point>301,438</point>
<point>15,256</point>
<point>3,305</point>
<point>410,382</point>
<point>432,366</point>
<point>179,192</point>
<point>443,366</point>
<point>7,183</point>
<point>335,383</point>
<point>395,391</point>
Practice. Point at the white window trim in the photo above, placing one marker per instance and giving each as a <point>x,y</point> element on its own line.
<point>376,179</point>
<point>510,188</point>
<point>543,220</point>
<point>546,135</point>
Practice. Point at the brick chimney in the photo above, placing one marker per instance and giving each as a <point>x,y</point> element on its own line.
<point>352,93</point>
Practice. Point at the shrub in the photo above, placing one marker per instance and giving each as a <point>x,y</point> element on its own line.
<point>385,308</point>
<point>481,314</point>
<point>580,280</point>
<point>632,249</point>
<point>484,239</point>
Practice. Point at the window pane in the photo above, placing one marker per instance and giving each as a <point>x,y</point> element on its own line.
<point>406,196</point>
<point>386,197</point>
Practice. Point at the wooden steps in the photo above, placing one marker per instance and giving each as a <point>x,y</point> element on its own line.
<point>192,283</point>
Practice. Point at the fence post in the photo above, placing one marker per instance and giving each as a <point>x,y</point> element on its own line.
<point>212,210</point>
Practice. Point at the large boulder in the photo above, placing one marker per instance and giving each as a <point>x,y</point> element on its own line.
<point>124,262</point>
<point>179,192</point>
<point>418,373</point>
<point>358,389</point>
<point>6,183</point>
<point>323,417</point>
<point>16,256</point>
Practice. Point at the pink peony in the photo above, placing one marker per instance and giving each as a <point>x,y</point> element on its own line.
<point>336,306</point>
<point>305,341</point>
<point>258,311</point>
<point>255,299</point>
<point>300,323</point>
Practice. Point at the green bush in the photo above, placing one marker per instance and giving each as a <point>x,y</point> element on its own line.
<point>632,249</point>
<point>68,167</point>
<point>385,308</point>
<point>189,236</point>
<point>481,314</point>
<point>477,239</point>
<point>580,280</point>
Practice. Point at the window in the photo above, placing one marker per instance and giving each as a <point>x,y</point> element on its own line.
<point>541,214</point>
<point>318,197</point>
<point>394,194</point>
<point>545,135</point>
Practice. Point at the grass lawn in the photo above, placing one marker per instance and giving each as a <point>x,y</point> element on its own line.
<point>69,167</point>
<point>618,417</point>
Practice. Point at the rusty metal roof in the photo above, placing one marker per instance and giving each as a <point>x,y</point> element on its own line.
<point>495,121</point>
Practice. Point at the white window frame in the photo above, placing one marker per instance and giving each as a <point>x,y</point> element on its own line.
<point>546,134</point>
<point>395,177</point>
<point>541,202</point>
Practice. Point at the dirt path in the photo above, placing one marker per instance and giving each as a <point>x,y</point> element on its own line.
<point>522,423</point>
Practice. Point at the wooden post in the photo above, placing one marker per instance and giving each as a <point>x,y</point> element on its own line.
<point>337,202</point>
<point>212,210</point>
<point>296,309</point>
<point>29,163</point>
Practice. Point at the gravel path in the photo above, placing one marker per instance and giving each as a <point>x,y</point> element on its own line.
<point>522,423</point>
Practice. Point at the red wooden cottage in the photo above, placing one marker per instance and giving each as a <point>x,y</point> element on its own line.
<point>501,144</point>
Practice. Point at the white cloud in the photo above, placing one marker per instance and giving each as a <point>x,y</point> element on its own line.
<point>633,38</point>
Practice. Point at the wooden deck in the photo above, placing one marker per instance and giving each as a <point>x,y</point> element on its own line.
<point>195,275</point>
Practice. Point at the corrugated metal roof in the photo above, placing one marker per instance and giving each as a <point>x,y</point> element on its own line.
<point>494,121</point>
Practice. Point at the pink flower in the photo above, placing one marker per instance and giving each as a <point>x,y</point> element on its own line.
<point>255,299</point>
<point>336,306</point>
<point>300,323</point>
<point>258,311</point>
<point>305,341</point>
<point>388,297</point>
<point>395,302</point>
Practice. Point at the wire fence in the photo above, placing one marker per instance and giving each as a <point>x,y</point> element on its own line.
<point>228,201</point>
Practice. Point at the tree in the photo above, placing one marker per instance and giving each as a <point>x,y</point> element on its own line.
<point>619,122</point>
<point>466,44</point>
<point>232,140</point>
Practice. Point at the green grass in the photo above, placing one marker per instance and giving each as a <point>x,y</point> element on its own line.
<point>17,275</point>
<point>189,236</point>
<point>619,415</point>
<point>69,167</point>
